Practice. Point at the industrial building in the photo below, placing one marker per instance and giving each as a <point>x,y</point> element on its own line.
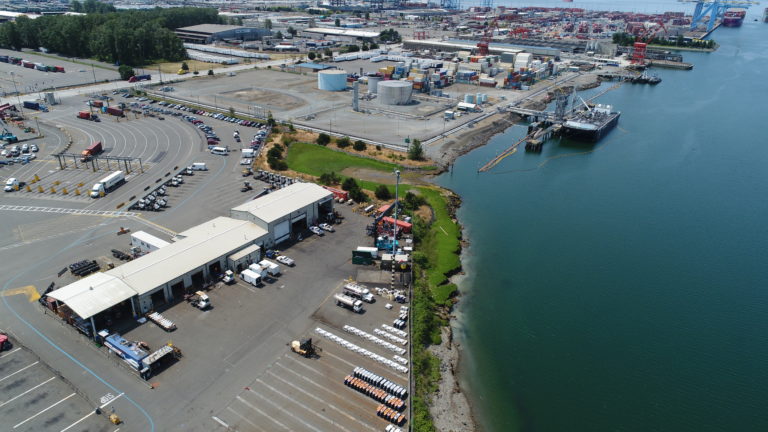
<point>207,33</point>
<point>197,255</point>
<point>339,34</point>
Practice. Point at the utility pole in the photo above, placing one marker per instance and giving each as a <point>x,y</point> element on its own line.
<point>394,232</point>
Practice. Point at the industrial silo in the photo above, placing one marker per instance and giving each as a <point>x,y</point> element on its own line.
<point>373,84</point>
<point>332,80</point>
<point>395,92</point>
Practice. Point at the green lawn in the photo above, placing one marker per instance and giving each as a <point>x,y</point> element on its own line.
<point>316,160</point>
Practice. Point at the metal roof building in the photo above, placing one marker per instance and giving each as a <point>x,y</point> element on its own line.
<point>339,33</point>
<point>207,33</point>
<point>198,254</point>
<point>287,211</point>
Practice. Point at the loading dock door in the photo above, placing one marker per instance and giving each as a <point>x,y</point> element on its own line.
<point>282,231</point>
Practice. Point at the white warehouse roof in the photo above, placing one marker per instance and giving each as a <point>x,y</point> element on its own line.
<point>93,294</point>
<point>284,201</point>
<point>202,244</point>
<point>342,32</point>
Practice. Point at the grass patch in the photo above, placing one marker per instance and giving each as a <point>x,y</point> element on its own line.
<point>316,160</point>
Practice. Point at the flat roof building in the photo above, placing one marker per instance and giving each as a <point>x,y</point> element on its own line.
<point>207,33</point>
<point>339,34</point>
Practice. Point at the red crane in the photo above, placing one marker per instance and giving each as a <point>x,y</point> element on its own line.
<point>641,45</point>
<point>485,41</point>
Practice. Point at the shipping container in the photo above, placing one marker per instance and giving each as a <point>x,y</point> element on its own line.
<point>31,105</point>
<point>115,111</point>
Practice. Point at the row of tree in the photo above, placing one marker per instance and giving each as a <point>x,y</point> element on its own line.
<point>127,37</point>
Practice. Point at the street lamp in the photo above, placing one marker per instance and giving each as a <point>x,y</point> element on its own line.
<point>394,232</point>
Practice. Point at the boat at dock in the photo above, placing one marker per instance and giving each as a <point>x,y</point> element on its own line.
<point>734,17</point>
<point>644,78</point>
<point>591,124</point>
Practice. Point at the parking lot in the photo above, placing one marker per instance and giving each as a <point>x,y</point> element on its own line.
<point>34,398</point>
<point>32,80</point>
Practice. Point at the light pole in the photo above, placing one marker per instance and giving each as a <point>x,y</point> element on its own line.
<point>18,97</point>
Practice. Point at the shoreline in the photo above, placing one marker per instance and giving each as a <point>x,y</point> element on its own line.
<point>451,406</point>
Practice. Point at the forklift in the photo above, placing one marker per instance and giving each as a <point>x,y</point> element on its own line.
<point>305,348</point>
<point>246,187</point>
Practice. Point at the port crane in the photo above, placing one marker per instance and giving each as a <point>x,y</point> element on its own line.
<point>641,46</point>
<point>714,9</point>
<point>483,47</point>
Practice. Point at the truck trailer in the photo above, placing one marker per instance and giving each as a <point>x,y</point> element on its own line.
<point>348,302</point>
<point>358,291</point>
<point>108,184</point>
<point>137,78</point>
<point>272,268</point>
<point>251,277</point>
<point>91,151</point>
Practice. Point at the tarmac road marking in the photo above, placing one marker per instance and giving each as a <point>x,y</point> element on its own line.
<point>308,409</point>
<point>242,417</point>
<point>258,410</point>
<point>219,421</point>
<point>33,388</point>
<point>30,418</point>
<point>317,398</point>
<point>9,353</point>
<point>29,290</point>
<point>19,371</point>
<point>109,399</point>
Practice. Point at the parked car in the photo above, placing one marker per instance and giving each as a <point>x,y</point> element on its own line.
<point>285,260</point>
<point>316,230</point>
<point>326,227</point>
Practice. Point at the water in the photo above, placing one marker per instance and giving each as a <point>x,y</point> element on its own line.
<point>624,289</point>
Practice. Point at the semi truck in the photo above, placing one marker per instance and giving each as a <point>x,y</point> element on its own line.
<point>86,115</point>
<point>137,78</point>
<point>348,302</point>
<point>115,111</point>
<point>91,151</point>
<point>358,291</point>
<point>251,277</point>
<point>108,184</point>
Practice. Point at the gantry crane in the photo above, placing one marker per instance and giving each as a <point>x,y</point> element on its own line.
<point>714,9</point>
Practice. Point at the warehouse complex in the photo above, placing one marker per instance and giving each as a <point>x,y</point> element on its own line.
<point>207,33</point>
<point>198,254</point>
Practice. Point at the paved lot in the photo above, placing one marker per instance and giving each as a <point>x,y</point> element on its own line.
<point>34,81</point>
<point>34,398</point>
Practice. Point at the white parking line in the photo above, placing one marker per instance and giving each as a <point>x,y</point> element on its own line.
<point>9,353</point>
<point>20,370</point>
<point>44,410</point>
<point>33,388</point>
<point>295,402</point>
<point>244,418</point>
<point>91,413</point>
<point>255,408</point>
<point>317,398</point>
<point>219,421</point>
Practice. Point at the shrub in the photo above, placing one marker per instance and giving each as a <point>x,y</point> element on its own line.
<point>358,195</point>
<point>330,178</point>
<point>359,145</point>
<point>343,142</point>
<point>323,139</point>
<point>349,184</point>
<point>416,151</point>
<point>382,192</point>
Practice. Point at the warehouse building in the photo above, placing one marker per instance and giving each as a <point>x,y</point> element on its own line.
<point>207,33</point>
<point>197,255</point>
<point>339,34</point>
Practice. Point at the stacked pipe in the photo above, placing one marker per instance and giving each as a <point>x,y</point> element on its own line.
<point>374,339</point>
<point>378,394</point>
<point>393,338</point>
<point>382,383</point>
<point>394,330</point>
<point>362,351</point>
<point>389,414</point>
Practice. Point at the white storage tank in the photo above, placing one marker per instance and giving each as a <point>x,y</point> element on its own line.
<point>332,80</point>
<point>395,92</point>
<point>373,84</point>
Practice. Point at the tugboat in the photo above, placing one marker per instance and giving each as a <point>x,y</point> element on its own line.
<point>644,78</point>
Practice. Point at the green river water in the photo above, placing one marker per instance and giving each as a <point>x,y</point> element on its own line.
<point>623,286</point>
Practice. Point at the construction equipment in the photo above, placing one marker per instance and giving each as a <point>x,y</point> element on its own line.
<point>246,187</point>
<point>304,348</point>
<point>7,135</point>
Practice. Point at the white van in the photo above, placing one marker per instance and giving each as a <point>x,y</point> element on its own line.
<point>219,151</point>
<point>199,166</point>
<point>248,153</point>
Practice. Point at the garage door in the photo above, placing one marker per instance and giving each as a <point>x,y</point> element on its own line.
<point>282,231</point>
<point>298,218</point>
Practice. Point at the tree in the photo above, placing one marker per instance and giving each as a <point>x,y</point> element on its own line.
<point>311,56</point>
<point>330,178</point>
<point>365,46</point>
<point>416,151</point>
<point>367,16</point>
<point>231,111</point>
<point>327,52</point>
<point>323,139</point>
<point>412,201</point>
<point>337,22</point>
<point>268,24</point>
<point>349,184</point>
<point>125,71</point>
<point>279,34</point>
<point>359,145</point>
<point>210,71</point>
<point>292,31</point>
<point>382,192</point>
<point>271,120</point>
<point>358,195</point>
<point>184,66</point>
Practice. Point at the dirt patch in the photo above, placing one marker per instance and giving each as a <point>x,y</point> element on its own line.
<point>276,100</point>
